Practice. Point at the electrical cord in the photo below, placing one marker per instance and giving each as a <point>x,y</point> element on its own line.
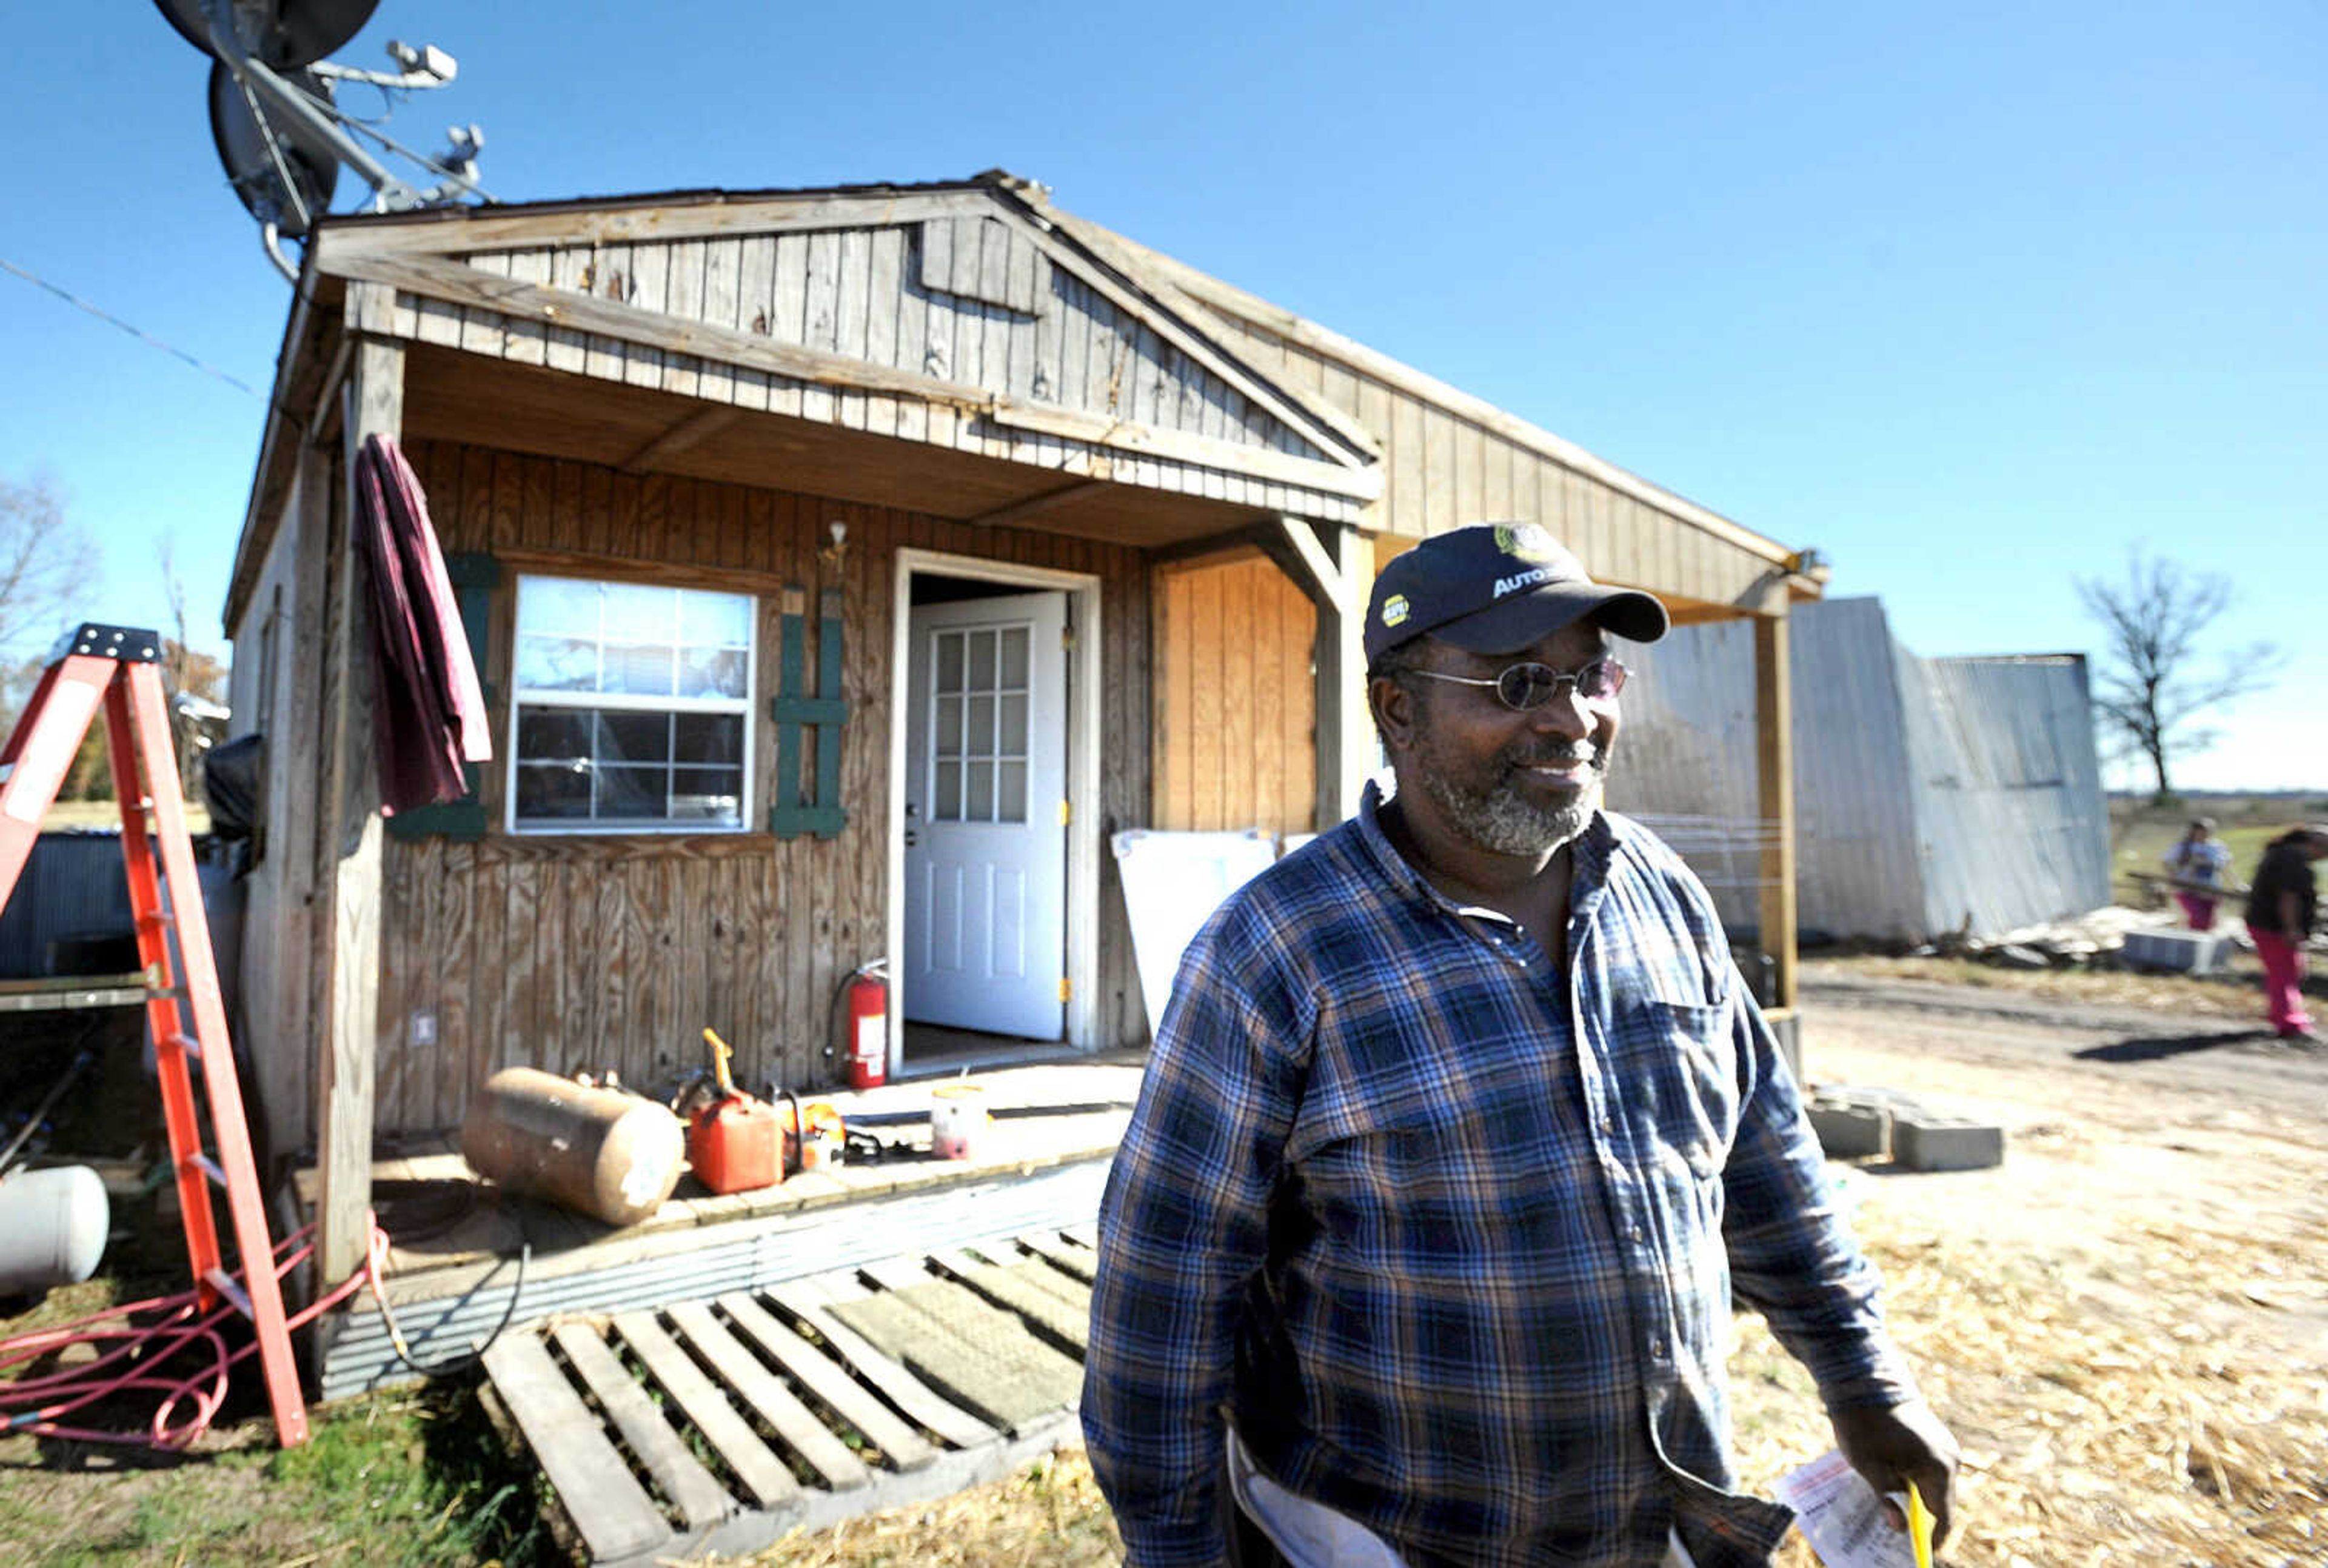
<point>134,1355</point>
<point>132,1358</point>
<point>376,1269</point>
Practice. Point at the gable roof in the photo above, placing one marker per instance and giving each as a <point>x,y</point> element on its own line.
<point>1020,333</point>
<point>1248,320</point>
<point>979,245</point>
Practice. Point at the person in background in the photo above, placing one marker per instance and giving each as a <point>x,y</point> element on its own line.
<point>1460,1134</point>
<point>2200,857</point>
<point>2281,905</point>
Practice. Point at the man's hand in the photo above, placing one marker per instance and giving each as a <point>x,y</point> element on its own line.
<point>1891,1446</point>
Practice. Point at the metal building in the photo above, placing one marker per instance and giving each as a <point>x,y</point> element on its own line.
<point>1931,795</point>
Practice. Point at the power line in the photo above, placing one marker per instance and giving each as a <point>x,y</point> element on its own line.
<point>142,335</point>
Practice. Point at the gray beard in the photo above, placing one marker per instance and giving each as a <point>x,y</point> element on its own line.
<point>1500,821</point>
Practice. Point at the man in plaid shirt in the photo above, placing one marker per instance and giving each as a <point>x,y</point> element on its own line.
<point>1458,1138</point>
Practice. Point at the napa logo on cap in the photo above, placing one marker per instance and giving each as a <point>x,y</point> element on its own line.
<point>1526,541</point>
<point>1395,609</point>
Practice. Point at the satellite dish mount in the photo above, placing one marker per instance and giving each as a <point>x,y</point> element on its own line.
<point>275,118</point>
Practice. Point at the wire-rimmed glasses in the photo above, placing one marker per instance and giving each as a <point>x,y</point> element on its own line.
<point>1523,687</point>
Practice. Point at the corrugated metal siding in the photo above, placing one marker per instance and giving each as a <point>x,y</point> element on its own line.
<point>1858,866</point>
<point>72,885</point>
<point>1686,749</point>
<point>1929,793</point>
<point>2010,800</point>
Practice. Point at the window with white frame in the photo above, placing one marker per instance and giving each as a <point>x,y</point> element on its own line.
<point>631,709</point>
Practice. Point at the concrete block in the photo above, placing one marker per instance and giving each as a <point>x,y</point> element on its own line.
<point>2187,952</point>
<point>1926,1140</point>
<point>1788,1032</point>
<point>1851,1129</point>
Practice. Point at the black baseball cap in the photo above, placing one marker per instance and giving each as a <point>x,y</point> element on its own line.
<point>1495,588</point>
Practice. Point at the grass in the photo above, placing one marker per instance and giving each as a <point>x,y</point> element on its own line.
<point>408,1479</point>
<point>2231,992</point>
<point>2141,833</point>
<point>104,815</point>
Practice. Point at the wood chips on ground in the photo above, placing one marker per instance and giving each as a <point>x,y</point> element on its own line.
<point>2125,1428</point>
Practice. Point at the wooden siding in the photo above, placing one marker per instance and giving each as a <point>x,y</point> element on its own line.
<point>1235,706</point>
<point>866,293</point>
<point>1448,458</point>
<point>837,326</point>
<point>1442,468</point>
<point>613,952</point>
<point>285,615</point>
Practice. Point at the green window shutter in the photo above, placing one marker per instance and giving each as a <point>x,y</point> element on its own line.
<point>473,576</point>
<point>795,711</point>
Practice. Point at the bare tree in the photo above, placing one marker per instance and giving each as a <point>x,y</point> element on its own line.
<point>46,564</point>
<point>2148,692</point>
<point>47,568</point>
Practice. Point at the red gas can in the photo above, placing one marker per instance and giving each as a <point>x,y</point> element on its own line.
<point>736,1144</point>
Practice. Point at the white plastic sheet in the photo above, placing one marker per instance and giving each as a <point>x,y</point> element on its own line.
<point>1172,883</point>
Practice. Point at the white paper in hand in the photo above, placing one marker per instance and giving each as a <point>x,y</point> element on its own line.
<point>1842,1517</point>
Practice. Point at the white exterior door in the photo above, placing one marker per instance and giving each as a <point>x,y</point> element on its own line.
<point>986,871</point>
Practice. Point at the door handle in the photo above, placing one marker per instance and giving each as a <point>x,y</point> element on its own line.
<point>911,838</point>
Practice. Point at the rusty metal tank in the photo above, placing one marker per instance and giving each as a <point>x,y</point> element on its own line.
<point>605,1152</point>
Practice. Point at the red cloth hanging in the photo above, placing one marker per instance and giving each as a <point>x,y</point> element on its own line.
<point>429,710</point>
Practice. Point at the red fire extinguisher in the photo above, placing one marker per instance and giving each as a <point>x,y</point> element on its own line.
<point>869,1026</point>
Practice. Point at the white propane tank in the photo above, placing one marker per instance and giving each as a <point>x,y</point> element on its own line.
<point>52,1228</point>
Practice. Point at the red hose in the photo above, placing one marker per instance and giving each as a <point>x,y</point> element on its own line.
<point>35,1404</point>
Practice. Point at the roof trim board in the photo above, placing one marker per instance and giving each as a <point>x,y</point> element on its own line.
<point>445,230</point>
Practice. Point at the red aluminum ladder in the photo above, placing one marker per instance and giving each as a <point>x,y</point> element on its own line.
<point>117,666</point>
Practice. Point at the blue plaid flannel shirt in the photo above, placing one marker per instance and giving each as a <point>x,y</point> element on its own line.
<point>1453,1237</point>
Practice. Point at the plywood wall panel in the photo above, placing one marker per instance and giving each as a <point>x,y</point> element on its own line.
<point>1236,703</point>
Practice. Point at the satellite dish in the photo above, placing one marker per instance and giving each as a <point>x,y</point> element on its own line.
<point>284,34</point>
<point>289,194</point>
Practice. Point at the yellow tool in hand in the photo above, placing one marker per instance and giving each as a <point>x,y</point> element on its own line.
<point>1920,1527</point>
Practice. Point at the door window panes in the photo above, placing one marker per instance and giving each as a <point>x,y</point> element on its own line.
<point>981,723</point>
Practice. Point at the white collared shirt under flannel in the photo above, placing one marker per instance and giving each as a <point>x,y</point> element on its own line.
<point>1455,1236</point>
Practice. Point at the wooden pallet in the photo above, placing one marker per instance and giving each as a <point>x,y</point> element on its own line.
<point>722,1425</point>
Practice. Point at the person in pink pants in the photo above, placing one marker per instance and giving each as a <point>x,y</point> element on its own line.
<point>2282,902</point>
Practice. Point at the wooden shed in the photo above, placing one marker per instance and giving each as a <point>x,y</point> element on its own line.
<point>845,566</point>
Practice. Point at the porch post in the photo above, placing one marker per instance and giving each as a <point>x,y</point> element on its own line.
<point>1328,561</point>
<point>348,822</point>
<point>1775,759</point>
<point>287,1061</point>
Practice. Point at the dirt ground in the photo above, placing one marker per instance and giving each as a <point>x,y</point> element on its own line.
<point>2126,1324</point>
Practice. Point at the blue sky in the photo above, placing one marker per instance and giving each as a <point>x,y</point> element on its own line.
<point>1973,300</point>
